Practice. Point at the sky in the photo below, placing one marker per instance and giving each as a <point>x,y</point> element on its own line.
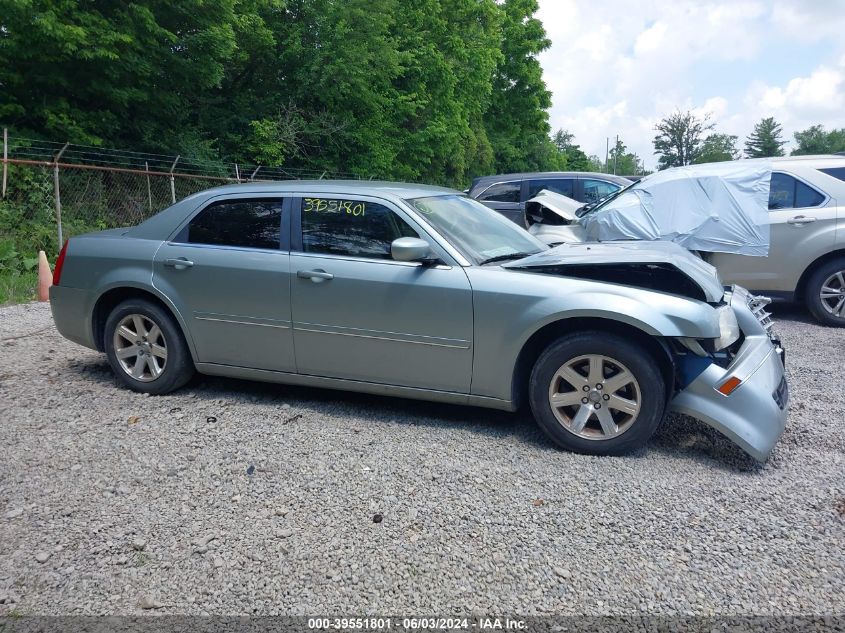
<point>618,67</point>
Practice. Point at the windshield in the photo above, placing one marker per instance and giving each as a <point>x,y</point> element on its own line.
<point>478,232</point>
<point>598,204</point>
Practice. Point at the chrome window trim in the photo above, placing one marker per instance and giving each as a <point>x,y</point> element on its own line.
<point>252,249</point>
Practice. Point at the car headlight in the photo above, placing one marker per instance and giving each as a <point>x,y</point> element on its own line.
<point>728,328</point>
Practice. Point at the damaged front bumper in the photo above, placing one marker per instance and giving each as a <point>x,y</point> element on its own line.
<point>748,400</point>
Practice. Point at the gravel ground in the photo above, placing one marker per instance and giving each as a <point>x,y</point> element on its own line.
<point>236,497</point>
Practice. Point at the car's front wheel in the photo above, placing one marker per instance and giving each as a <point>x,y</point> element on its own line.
<point>597,393</point>
<point>146,349</point>
<point>825,295</point>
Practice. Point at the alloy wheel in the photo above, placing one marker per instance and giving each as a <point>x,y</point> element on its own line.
<point>832,294</point>
<point>140,347</point>
<point>595,397</point>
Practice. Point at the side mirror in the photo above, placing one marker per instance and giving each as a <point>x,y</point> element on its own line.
<point>410,249</point>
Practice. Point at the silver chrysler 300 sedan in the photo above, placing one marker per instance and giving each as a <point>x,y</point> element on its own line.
<point>421,292</point>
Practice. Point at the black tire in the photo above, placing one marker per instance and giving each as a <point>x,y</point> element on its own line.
<point>812,293</point>
<point>648,389</point>
<point>176,369</point>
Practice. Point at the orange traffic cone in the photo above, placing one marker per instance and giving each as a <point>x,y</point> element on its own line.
<point>45,277</point>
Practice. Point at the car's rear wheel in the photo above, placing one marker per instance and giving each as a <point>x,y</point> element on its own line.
<point>146,349</point>
<point>825,294</point>
<point>597,393</point>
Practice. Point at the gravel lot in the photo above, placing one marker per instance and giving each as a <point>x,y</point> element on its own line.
<point>113,502</point>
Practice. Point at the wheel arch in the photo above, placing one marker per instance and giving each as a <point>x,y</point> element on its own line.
<point>801,288</point>
<point>544,336</point>
<point>113,296</point>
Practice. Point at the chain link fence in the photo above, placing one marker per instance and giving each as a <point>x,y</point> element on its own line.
<point>81,188</point>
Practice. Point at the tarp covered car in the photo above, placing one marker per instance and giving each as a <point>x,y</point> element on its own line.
<point>717,207</point>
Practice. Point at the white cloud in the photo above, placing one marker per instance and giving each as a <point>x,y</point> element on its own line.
<point>650,39</point>
<point>615,71</point>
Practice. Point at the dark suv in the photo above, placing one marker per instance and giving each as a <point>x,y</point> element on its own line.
<point>508,193</point>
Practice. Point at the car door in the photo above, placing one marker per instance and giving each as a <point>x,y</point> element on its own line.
<point>360,315</point>
<point>227,271</point>
<point>505,197</point>
<point>800,221</point>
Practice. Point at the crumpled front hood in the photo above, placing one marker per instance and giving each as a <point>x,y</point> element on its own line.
<point>559,204</point>
<point>647,254</point>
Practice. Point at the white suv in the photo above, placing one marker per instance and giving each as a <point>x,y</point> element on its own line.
<point>806,259</point>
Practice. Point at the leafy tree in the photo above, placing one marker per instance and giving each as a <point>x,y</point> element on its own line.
<point>126,73</point>
<point>450,50</point>
<point>817,140</point>
<point>563,140</point>
<point>623,162</point>
<point>431,90</point>
<point>572,156</point>
<point>678,140</point>
<point>517,119</point>
<point>765,140</point>
<point>718,148</point>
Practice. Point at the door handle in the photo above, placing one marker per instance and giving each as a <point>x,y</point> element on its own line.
<point>800,219</point>
<point>314,275</point>
<point>178,263</point>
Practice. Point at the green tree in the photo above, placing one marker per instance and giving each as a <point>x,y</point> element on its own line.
<point>817,140</point>
<point>765,140</point>
<point>430,90</point>
<point>623,162</point>
<point>449,51</point>
<point>129,74</point>
<point>517,121</point>
<point>678,140</point>
<point>563,140</point>
<point>594,163</point>
<point>573,157</point>
<point>718,148</point>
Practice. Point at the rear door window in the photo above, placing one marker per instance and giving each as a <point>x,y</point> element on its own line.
<point>502,192</point>
<point>243,223</point>
<point>563,186</point>
<point>342,226</point>
<point>786,192</point>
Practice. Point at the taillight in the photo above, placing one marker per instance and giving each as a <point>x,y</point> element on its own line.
<point>57,271</point>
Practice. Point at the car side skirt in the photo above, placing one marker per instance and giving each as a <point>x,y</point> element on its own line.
<point>341,384</point>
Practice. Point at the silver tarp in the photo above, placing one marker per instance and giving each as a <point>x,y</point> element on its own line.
<point>716,207</point>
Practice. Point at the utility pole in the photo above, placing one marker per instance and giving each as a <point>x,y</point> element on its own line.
<point>615,154</point>
<point>606,150</point>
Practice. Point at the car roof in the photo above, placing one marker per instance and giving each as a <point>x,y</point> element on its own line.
<point>839,157</point>
<point>361,187</point>
<point>482,180</point>
<point>163,223</point>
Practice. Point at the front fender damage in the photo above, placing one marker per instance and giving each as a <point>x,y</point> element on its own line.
<point>744,397</point>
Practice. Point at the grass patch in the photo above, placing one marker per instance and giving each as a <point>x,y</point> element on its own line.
<point>18,287</point>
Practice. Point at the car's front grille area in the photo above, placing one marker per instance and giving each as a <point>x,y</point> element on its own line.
<point>757,305</point>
